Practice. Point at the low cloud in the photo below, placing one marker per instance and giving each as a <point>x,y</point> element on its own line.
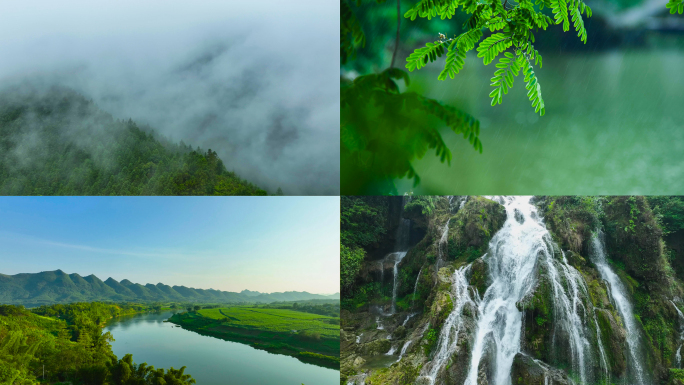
<point>255,82</point>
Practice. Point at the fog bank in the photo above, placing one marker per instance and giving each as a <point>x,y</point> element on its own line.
<point>254,81</point>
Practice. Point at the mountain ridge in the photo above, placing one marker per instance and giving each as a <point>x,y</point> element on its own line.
<point>50,287</point>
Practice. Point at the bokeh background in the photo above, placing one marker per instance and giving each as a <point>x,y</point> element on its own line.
<point>614,121</point>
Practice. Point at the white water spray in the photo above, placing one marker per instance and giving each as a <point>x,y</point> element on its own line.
<point>512,258</point>
<point>442,246</point>
<point>415,288</point>
<point>618,294</point>
<point>448,338</point>
<point>678,355</point>
<point>398,256</point>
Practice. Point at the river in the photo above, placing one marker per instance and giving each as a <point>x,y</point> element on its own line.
<point>209,360</point>
<point>613,125</point>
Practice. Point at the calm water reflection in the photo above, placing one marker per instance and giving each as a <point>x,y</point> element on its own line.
<point>209,360</point>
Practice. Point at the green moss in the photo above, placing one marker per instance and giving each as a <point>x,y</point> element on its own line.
<point>431,338</point>
<point>676,377</point>
<point>473,227</point>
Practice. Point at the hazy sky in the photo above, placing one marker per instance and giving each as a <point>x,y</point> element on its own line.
<point>256,81</point>
<point>266,244</point>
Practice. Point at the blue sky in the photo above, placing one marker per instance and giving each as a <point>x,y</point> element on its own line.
<point>266,244</point>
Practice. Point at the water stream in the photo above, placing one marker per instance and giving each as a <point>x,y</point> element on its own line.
<point>442,246</point>
<point>448,338</point>
<point>619,297</point>
<point>210,361</point>
<point>514,251</point>
<point>678,355</point>
<point>521,256</point>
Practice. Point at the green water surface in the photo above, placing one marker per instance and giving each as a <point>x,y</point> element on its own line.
<point>209,360</point>
<point>614,124</point>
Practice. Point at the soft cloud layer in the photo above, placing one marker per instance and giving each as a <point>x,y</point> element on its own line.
<point>254,81</point>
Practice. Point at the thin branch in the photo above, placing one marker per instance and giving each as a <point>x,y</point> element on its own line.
<point>396,42</point>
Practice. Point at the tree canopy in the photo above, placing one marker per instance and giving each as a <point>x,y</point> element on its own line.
<point>59,143</point>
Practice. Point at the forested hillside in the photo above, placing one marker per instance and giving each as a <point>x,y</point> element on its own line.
<point>562,290</point>
<point>51,287</point>
<point>65,344</point>
<point>57,142</point>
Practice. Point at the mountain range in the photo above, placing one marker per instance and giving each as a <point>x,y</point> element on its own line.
<point>49,287</point>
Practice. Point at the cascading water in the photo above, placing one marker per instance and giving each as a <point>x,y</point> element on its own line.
<point>448,338</point>
<point>618,295</point>
<point>513,255</point>
<point>521,248</point>
<point>403,350</point>
<point>400,247</point>
<point>570,312</point>
<point>408,318</point>
<point>442,246</point>
<point>602,352</point>
<point>678,355</point>
<point>415,288</point>
<point>398,256</point>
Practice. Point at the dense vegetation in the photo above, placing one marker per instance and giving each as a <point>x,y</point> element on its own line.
<point>330,308</point>
<point>50,287</point>
<point>65,344</point>
<point>308,337</point>
<point>644,238</point>
<point>362,224</point>
<point>59,143</point>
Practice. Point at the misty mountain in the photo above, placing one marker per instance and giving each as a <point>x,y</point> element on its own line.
<point>250,293</point>
<point>49,287</point>
<point>56,142</point>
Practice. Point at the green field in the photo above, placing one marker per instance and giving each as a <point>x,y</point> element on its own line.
<point>311,338</point>
<point>276,320</point>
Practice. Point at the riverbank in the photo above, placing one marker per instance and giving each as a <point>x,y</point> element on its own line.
<point>310,338</point>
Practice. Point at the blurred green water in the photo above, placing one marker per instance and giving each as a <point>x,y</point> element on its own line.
<point>614,124</point>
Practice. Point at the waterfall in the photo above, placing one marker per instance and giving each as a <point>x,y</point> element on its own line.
<point>569,311</point>
<point>415,287</point>
<point>400,247</point>
<point>448,338</point>
<point>408,318</point>
<point>678,355</point>
<point>512,258</point>
<point>518,254</point>
<point>602,351</point>
<point>398,256</point>
<point>393,349</point>
<point>441,246</point>
<point>618,294</point>
<point>403,349</point>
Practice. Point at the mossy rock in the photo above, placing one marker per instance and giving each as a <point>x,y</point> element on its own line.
<point>479,275</point>
<point>613,337</point>
<point>441,308</point>
<point>537,308</point>
<point>376,347</point>
<point>527,371</point>
<point>676,377</point>
<point>634,238</point>
<point>570,219</point>
<point>471,229</point>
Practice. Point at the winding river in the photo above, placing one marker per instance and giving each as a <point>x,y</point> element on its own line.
<point>209,360</point>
